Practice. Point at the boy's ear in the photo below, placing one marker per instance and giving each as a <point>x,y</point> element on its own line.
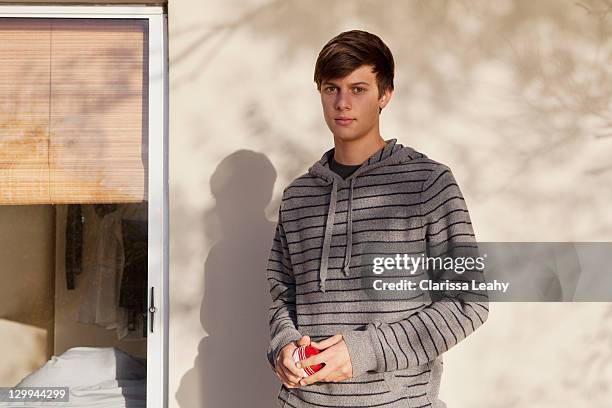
<point>385,98</point>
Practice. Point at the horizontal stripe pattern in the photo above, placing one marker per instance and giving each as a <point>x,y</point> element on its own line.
<point>402,203</point>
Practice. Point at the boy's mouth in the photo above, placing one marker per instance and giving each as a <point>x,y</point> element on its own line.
<point>343,121</point>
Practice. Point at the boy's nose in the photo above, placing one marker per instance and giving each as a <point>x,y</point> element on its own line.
<point>343,102</point>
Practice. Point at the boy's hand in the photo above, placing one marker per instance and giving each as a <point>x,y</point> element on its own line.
<point>337,361</point>
<point>285,368</point>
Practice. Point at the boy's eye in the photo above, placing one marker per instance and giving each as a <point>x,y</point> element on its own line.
<point>355,89</point>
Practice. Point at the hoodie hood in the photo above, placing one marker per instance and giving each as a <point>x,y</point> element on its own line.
<point>392,153</point>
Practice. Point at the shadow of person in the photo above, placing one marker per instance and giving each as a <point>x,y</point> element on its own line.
<point>231,369</point>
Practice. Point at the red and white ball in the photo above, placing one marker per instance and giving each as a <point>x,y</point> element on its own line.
<point>304,352</point>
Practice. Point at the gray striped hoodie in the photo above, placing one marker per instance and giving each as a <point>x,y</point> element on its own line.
<point>320,272</point>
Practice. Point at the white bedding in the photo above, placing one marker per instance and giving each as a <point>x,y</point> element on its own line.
<point>96,377</point>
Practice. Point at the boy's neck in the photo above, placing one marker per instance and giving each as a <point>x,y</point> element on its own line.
<point>356,151</point>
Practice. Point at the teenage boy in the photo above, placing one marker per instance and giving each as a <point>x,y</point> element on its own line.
<point>367,198</point>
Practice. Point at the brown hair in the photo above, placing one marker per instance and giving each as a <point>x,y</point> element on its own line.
<point>348,51</point>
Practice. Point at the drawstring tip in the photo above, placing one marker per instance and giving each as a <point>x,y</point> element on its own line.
<point>322,287</point>
<point>346,270</point>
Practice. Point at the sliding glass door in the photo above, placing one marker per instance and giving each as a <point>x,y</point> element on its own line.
<point>83,206</point>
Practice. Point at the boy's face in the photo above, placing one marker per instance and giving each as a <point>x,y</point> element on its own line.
<point>351,104</point>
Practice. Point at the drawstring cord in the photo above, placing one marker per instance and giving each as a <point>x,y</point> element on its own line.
<point>329,225</point>
<point>349,230</point>
<point>331,213</point>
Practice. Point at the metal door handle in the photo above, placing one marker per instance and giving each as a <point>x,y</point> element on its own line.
<point>152,308</point>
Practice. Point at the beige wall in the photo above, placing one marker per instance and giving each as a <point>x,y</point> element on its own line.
<point>513,95</point>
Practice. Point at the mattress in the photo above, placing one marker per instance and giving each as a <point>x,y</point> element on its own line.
<point>95,377</point>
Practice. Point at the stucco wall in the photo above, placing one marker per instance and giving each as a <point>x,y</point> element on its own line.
<point>513,95</point>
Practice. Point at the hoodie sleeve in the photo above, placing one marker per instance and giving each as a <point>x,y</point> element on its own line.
<point>451,316</point>
<point>282,317</point>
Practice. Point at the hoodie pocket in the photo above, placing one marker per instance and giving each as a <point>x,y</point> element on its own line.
<point>396,388</point>
<point>414,384</point>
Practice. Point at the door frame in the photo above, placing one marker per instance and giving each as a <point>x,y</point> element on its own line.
<point>157,341</point>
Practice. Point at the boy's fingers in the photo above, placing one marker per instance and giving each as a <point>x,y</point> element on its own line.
<point>294,383</point>
<point>328,342</point>
<point>292,378</point>
<point>316,359</point>
<point>318,376</point>
<point>285,382</point>
<point>304,341</point>
<point>290,367</point>
<point>335,377</point>
<point>292,373</point>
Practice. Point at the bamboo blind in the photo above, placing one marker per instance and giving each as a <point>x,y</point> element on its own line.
<point>73,111</point>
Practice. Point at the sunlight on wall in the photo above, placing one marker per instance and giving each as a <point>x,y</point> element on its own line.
<point>512,95</point>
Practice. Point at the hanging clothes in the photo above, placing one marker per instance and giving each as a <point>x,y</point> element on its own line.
<point>133,287</point>
<point>104,260</point>
<point>74,245</point>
